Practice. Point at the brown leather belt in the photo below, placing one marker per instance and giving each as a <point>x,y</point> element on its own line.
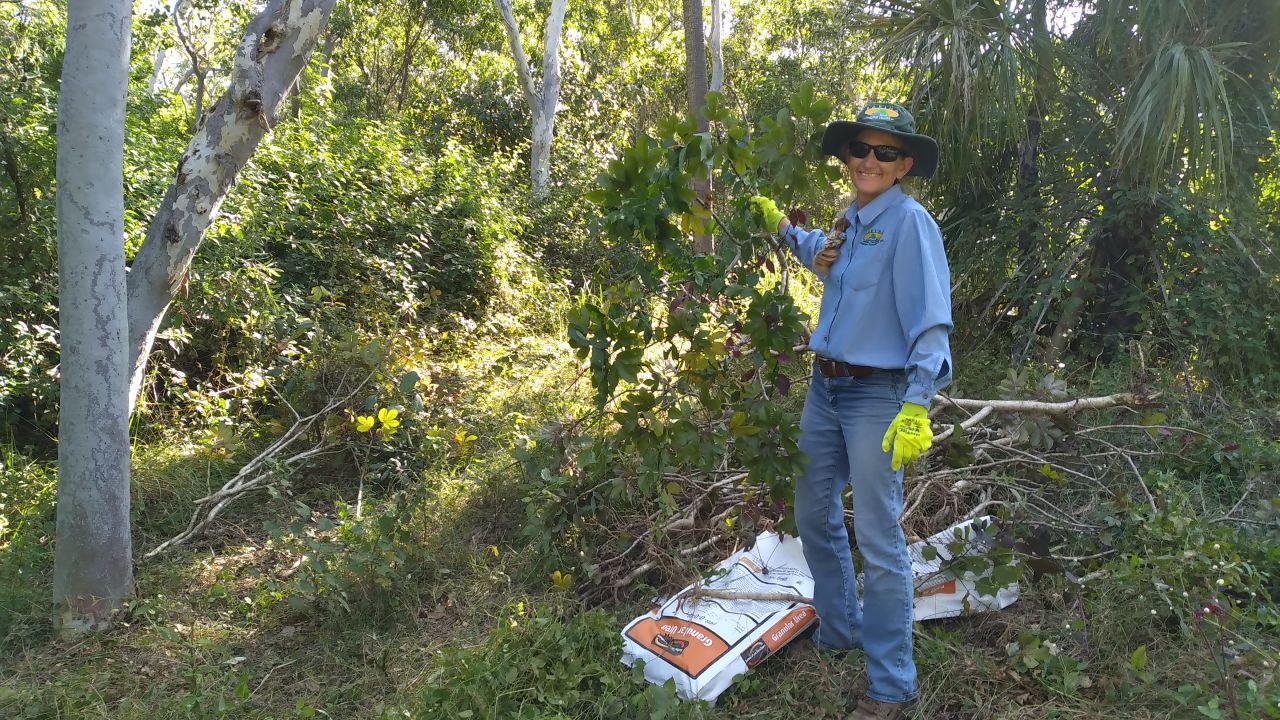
<point>835,368</point>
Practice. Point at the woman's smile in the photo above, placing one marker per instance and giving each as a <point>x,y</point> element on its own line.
<point>870,175</point>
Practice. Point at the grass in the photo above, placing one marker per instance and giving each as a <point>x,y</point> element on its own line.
<point>464,621</point>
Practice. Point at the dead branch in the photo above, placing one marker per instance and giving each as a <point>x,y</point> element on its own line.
<point>966,424</point>
<point>269,467</point>
<point>1033,406</point>
<point>1254,478</point>
<point>698,593</point>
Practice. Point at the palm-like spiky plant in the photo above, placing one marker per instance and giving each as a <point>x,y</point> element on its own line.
<point>969,63</point>
<point>1192,82</point>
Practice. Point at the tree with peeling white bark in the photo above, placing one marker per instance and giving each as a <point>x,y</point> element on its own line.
<point>274,51</point>
<point>108,318</point>
<point>543,98</point>
<point>93,562</point>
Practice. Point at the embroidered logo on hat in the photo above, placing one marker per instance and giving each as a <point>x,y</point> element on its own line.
<point>872,237</point>
<point>877,113</point>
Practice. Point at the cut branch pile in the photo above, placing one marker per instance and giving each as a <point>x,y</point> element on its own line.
<point>976,465</point>
<point>275,463</point>
<point>1080,463</point>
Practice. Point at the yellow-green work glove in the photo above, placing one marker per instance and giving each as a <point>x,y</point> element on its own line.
<point>909,434</point>
<point>769,213</point>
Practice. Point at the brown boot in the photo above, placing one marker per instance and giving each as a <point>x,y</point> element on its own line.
<point>871,709</point>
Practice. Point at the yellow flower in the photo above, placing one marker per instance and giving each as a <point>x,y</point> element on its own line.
<point>561,581</point>
<point>387,416</point>
<point>364,423</point>
<point>388,422</point>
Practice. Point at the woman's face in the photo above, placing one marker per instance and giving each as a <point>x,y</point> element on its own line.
<point>872,176</point>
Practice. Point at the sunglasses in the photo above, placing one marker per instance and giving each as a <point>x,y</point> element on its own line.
<point>884,153</point>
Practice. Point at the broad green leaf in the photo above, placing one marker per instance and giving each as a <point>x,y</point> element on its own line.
<point>1138,660</point>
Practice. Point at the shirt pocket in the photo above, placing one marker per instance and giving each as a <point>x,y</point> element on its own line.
<point>869,265</point>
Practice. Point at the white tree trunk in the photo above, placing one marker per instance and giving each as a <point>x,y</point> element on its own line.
<point>157,70</point>
<point>540,154</point>
<point>543,100</point>
<point>716,46</point>
<point>274,50</point>
<point>93,563</point>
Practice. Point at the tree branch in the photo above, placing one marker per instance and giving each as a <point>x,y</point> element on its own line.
<point>1069,406</point>
<point>551,57</point>
<point>531,94</point>
<point>698,593</point>
<point>274,50</point>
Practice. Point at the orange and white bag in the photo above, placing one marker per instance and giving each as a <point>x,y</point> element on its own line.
<point>703,643</point>
<point>941,593</point>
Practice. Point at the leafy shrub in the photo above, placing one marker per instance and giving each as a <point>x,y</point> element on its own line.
<point>346,561</point>
<point>334,235</point>
<point>542,663</point>
<point>374,213</point>
<point>28,491</point>
<point>1222,313</point>
<point>1208,586</point>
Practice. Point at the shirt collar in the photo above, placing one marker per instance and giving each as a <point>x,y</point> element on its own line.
<point>883,202</point>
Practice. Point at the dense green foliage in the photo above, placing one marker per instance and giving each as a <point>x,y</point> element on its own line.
<point>549,386</point>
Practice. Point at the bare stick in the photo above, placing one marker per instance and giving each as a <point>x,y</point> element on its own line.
<point>698,593</point>
<point>965,424</point>
<point>268,676</point>
<point>1136,473</point>
<point>700,546</point>
<point>1069,406</point>
<point>1253,481</point>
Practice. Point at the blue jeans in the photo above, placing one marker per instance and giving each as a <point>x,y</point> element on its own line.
<point>843,423</point>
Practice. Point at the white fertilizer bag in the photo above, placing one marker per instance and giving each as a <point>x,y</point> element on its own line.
<point>703,643</point>
<point>939,592</point>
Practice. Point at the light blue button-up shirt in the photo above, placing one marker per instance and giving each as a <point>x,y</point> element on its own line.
<point>886,301</point>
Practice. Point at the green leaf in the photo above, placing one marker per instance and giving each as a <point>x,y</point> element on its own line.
<point>713,111</point>
<point>1151,420</point>
<point>821,111</point>
<point>1211,710</point>
<point>627,364</point>
<point>1138,660</point>
<point>802,101</point>
<point>409,381</point>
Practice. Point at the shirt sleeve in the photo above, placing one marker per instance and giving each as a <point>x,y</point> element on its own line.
<point>922,293</point>
<point>805,244</point>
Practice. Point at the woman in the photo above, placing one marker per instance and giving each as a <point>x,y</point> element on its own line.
<point>882,351</point>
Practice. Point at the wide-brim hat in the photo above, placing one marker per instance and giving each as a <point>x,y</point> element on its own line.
<point>889,118</point>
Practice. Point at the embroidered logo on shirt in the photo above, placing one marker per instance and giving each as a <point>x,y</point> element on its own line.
<point>872,237</point>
